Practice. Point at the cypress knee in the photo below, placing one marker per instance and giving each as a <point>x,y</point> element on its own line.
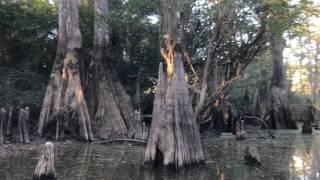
<point>45,169</point>
<point>8,127</point>
<point>25,127</point>
<point>3,119</point>
<point>307,127</point>
<point>19,131</point>
<point>251,154</point>
<point>240,130</point>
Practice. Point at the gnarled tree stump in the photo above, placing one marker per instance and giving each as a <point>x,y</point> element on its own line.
<point>45,169</point>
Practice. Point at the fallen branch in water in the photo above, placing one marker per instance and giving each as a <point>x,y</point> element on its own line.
<point>114,140</point>
<point>264,123</point>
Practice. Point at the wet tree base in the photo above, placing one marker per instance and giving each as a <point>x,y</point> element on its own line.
<point>172,167</point>
<point>306,128</point>
<point>45,177</point>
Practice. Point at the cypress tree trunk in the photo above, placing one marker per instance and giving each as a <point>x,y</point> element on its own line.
<point>25,122</point>
<point>8,128</point>
<point>110,106</point>
<point>3,119</point>
<point>281,115</point>
<point>174,139</point>
<point>64,95</point>
<point>19,134</point>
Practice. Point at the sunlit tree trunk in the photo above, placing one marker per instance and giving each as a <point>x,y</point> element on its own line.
<point>281,115</point>
<point>64,95</point>
<point>110,106</point>
<point>174,139</point>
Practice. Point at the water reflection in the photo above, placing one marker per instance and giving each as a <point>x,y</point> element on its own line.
<point>289,156</point>
<point>305,161</point>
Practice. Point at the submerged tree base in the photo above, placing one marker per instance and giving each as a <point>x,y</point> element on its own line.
<point>307,127</point>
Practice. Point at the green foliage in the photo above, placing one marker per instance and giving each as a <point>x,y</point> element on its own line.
<point>28,35</point>
<point>242,93</point>
<point>285,15</point>
<point>86,15</point>
<point>27,32</point>
<point>27,48</point>
<point>135,43</point>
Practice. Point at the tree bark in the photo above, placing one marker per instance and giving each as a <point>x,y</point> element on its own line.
<point>281,115</point>
<point>64,92</point>
<point>174,139</point>
<point>22,135</point>
<point>45,169</point>
<point>110,106</point>
<point>25,121</point>
<point>3,119</point>
<point>19,134</point>
<point>8,127</point>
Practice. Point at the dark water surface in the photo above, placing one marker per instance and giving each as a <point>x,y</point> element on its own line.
<point>289,156</point>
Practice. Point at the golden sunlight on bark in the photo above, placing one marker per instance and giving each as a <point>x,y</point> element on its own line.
<point>168,54</point>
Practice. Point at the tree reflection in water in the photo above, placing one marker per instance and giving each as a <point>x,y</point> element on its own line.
<point>289,156</point>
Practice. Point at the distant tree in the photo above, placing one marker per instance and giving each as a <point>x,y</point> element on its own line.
<point>282,16</point>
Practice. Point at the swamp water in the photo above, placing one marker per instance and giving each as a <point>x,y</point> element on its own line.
<point>290,155</point>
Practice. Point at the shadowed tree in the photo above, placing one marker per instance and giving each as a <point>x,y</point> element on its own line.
<point>281,115</point>
<point>109,105</point>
